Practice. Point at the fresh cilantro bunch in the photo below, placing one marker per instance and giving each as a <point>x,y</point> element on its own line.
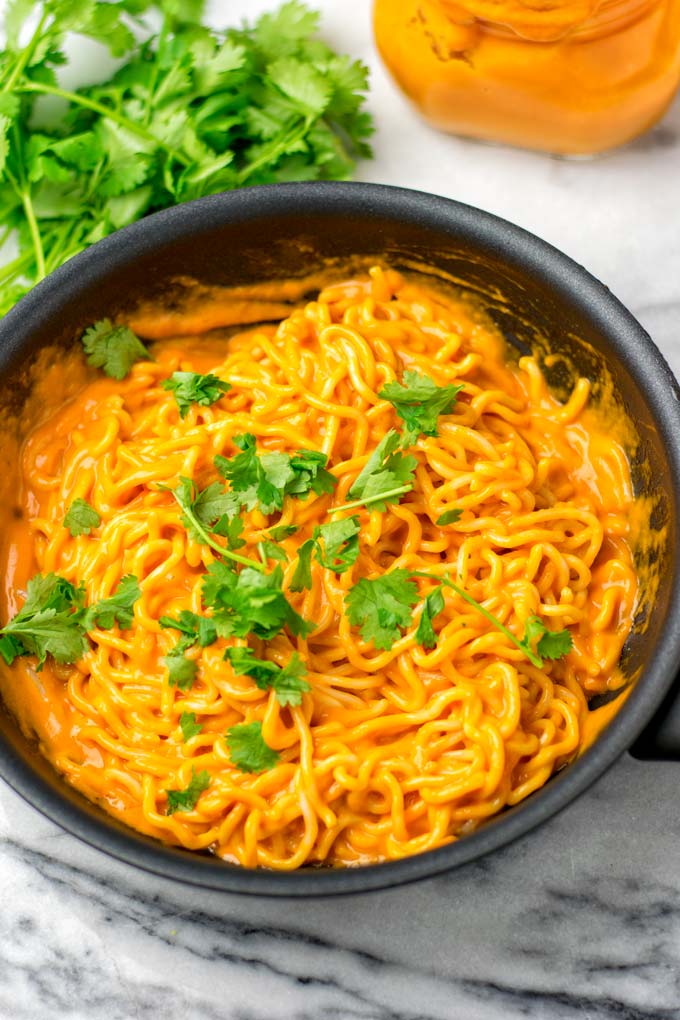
<point>189,112</point>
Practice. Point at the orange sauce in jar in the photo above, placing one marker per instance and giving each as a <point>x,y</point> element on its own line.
<point>573,77</point>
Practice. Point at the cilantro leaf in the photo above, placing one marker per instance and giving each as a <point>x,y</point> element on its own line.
<point>264,480</point>
<point>419,402</point>
<point>281,531</point>
<point>181,670</point>
<point>248,750</point>
<point>117,608</point>
<point>386,474</point>
<point>190,728</point>
<point>49,622</point>
<point>449,517</point>
<point>250,602</point>
<point>309,468</point>
<point>192,388</point>
<point>286,681</point>
<point>230,528</point>
<point>81,518</point>
<point>186,799</point>
<point>114,349</point>
<point>199,509</point>
<point>551,644</point>
<point>337,544</point>
<point>213,504</point>
<point>434,603</point>
<point>381,606</point>
<point>302,575</point>
<point>201,629</point>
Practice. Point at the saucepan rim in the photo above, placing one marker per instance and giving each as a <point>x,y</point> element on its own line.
<point>515,246</point>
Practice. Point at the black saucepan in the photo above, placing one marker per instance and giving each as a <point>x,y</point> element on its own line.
<point>537,296</point>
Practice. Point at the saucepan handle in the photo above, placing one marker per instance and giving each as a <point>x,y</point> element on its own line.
<point>660,741</point>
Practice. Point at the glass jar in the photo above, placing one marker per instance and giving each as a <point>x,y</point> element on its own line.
<point>566,76</point>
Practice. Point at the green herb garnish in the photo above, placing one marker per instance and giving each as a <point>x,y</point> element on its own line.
<point>419,402</point>
<point>381,606</point>
<point>190,728</point>
<point>250,602</point>
<point>201,629</point>
<point>181,670</point>
<point>81,518</point>
<point>54,619</point>
<point>449,517</point>
<point>114,349</point>
<point>186,800</point>
<point>192,388</point>
<point>248,750</point>
<point>118,608</point>
<point>262,481</point>
<point>288,681</point>
<point>49,622</point>
<point>198,508</point>
<point>386,476</point>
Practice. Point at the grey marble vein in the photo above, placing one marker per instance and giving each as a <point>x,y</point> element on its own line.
<point>578,921</point>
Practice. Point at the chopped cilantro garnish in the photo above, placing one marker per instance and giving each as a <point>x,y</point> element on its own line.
<point>197,507</point>
<point>434,603</point>
<point>118,608</point>
<point>186,800</point>
<point>81,518</point>
<point>250,602</point>
<point>49,622</point>
<point>181,670</point>
<point>381,606</point>
<point>263,481</point>
<point>114,349</point>
<point>190,728</point>
<point>552,644</point>
<point>337,544</point>
<point>281,531</point>
<point>302,575</point>
<point>248,750</point>
<point>54,620</point>
<point>192,388</point>
<point>449,517</point>
<point>387,474</point>
<point>201,629</point>
<point>419,402</point>
<point>288,681</point>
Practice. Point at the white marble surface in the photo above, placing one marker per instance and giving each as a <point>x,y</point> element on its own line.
<point>579,921</point>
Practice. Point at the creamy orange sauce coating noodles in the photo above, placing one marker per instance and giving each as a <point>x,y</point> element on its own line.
<point>393,752</point>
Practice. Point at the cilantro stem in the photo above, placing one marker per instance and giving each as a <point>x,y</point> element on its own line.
<point>105,111</point>
<point>34,230</point>
<point>207,539</point>
<point>23,193</point>
<point>531,656</point>
<point>377,498</point>
<point>26,55</point>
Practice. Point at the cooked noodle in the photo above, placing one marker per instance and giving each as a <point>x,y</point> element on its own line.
<point>394,752</point>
